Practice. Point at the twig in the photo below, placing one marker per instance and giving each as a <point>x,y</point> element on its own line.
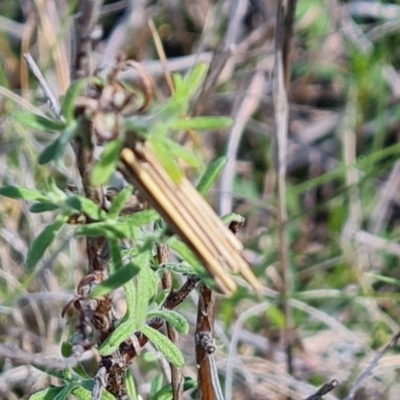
<point>247,108</point>
<point>176,373</point>
<point>281,121</point>
<point>204,344</point>
<point>38,360</point>
<point>323,390</point>
<point>54,105</point>
<point>367,372</point>
<point>161,55</point>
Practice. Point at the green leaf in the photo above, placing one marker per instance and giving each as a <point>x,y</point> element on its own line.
<point>175,319</point>
<point>195,78</point>
<point>144,289</point>
<point>56,150</point>
<point>156,385</point>
<point>43,241</point>
<point>86,390</point>
<point>131,292</point>
<point>184,154</point>
<point>64,375</point>
<point>116,280</point>
<point>107,163</point>
<point>50,152</point>
<point>122,332</point>
<point>140,218</point>
<point>165,393</point>
<point>211,175</point>
<point>123,227</point>
<point>43,207</point>
<point>183,250</point>
<point>16,192</point>
<point>130,385</point>
<point>167,162</point>
<point>164,345</point>
<point>115,251</point>
<point>119,201</point>
<point>46,394</point>
<point>231,217</point>
<point>201,123</point>
<point>87,206</point>
<point>63,395</point>
<point>73,92</point>
<point>37,122</point>
<point>66,349</point>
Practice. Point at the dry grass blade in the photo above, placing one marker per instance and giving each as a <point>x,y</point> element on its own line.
<point>189,215</point>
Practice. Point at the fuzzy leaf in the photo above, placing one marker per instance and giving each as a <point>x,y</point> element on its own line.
<point>119,201</point>
<point>116,280</point>
<point>43,207</point>
<point>87,206</point>
<point>140,218</point>
<point>16,192</point>
<point>176,150</point>
<point>156,385</point>
<point>175,319</point>
<point>130,385</point>
<point>68,105</point>
<point>107,163</point>
<point>144,289</point>
<point>46,394</point>
<point>37,122</point>
<point>167,162</point>
<point>211,175</point>
<point>43,241</point>
<point>201,123</point>
<point>164,345</point>
<point>56,150</point>
<point>63,395</point>
<point>195,78</point>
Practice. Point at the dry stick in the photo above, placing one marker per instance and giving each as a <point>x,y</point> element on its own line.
<point>54,105</point>
<point>204,344</point>
<point>161,54</point>
<point>281,123</point>
<point>249,105</point>
<point>166,282</point>
<point>207,372</point>
<point>325,389</point>
<point>367,372</point>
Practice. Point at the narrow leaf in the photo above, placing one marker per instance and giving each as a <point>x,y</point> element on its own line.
<point>195,78</point>
<point>16,192</point>
<point>211,174</point>
<point>63,395</point>
<point>184,154</point>
<point>164,345</point>
<point>56,150</point>
<point>167,161</point>
<point>116,280</point>
<point>107,164</point>
<point>87,206</point>
<point>43,207</point>
<point>43,241</point>
<point>37,122</point>
<point>156,385</point>
<point>119,201</point>
<point>46,394</point>
<point>201,123</point>
<point>130,385</point>
<point>49,153</point>
<point>175,319</point>
<point>68,105</point>
<point>120,334</point>
<point>144,289</point>
<point>140,218</point>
